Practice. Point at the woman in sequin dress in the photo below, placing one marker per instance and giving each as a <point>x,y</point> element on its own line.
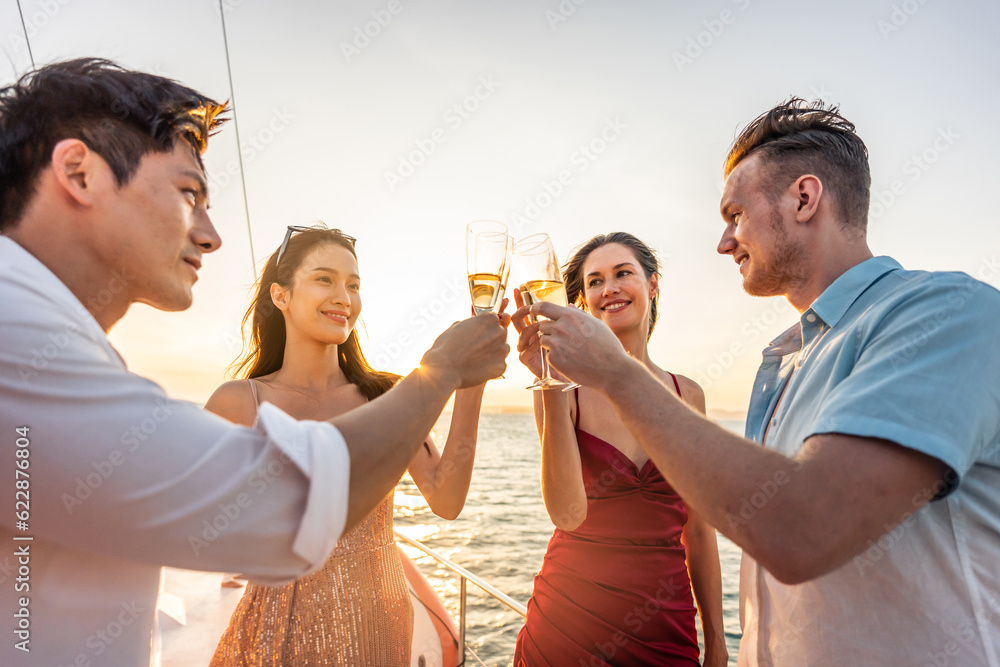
<point>304,358</point>
<point>616,583</point>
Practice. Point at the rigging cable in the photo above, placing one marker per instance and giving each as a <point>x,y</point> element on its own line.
<point>25,29</point>
<point>239,146</point>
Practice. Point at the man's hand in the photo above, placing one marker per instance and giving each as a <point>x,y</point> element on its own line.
<point>470,352</point>
<point>528,350</point>
<point>580,346</point>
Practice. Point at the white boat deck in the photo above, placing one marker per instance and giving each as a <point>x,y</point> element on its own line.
<point>194,611</point>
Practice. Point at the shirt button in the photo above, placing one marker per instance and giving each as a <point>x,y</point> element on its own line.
<point>810,317</point>
<point>774,422</point>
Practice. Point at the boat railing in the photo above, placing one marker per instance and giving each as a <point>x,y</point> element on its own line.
<point>464,576</point>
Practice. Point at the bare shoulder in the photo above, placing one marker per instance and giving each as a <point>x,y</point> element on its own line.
<point>234,401</point>
<point>692,393</point>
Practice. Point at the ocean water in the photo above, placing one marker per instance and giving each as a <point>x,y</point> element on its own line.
<point>502,533</point>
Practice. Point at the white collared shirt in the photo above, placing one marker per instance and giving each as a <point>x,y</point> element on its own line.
<point>122,480</point>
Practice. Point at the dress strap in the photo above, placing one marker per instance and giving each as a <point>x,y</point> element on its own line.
<point>676,384</point>
<point>253,390</point>
<point>576,395</point>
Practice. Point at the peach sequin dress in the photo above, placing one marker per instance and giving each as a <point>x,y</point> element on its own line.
<point>355,610</point>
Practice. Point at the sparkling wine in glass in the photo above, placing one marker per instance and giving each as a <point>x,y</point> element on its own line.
<point>538,262</point>
<point>488,248</point>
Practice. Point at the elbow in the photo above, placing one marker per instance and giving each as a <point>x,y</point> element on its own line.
<point>792,574</point>
<point>793,566</point>
<point>448,512</point>
<point>795,546</point>
<point>789,574</point>
<point>566,525</point>
<point>570,519</point>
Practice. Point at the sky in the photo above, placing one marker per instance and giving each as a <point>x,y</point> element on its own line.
<point>401,121</point>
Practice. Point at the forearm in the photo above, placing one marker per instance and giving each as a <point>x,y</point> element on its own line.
<point>702,550</point>
<point>562,475</point>
<point>384,435</point>
<point>453,475</point>
<point>713,470</point>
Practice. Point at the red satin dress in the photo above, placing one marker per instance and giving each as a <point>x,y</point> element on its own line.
<point>615,591</point>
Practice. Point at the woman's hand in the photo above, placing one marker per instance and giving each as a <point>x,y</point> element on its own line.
<point>528,349</point>
<point>716,655</point>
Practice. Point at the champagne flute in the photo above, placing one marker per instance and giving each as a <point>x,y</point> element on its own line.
<point>537,258</point>
<point>488,250</point>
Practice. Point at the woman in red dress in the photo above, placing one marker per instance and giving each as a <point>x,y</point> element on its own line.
<point>616,584</point>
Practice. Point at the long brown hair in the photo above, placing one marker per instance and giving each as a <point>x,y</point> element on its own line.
<point>265,350</point>
<point>573,269</point>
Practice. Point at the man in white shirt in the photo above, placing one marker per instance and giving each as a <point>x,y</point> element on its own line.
<point>103,204</point>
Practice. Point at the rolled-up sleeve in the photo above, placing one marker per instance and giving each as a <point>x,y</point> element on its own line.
<point>120,470</point>
<point>319,451</point>
<point>927,376</point>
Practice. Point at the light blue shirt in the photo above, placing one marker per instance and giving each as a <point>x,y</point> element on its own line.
<point>912,357</point>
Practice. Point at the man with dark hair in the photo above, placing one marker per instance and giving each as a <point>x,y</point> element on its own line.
<point>870,518</point>
<point>103,203</point>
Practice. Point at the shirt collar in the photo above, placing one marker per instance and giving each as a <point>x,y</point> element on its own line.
<point>789,341</point>
<point>42,280</point>
<point>831,305</point>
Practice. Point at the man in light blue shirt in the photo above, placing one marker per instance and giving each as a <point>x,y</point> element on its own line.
<point>870,519</point>
<point>906,357</point>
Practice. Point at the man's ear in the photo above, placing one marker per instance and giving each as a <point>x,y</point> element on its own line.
<point>74,166</point>
<point>279,296</point>
<point>807,190</point>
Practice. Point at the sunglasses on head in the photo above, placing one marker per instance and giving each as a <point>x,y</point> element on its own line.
<point>295,229</point>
